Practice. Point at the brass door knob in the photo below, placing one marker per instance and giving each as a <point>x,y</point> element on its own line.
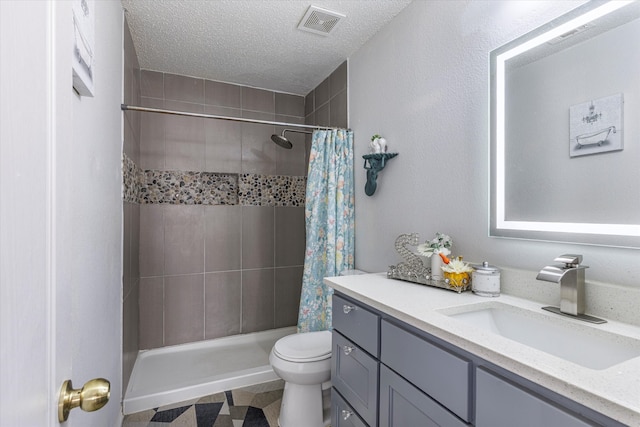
<point>91,397</point>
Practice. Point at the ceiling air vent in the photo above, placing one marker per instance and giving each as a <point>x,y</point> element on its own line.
<point>319,21</point>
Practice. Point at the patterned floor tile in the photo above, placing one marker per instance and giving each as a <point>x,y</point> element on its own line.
<point>261,400</point>
<point>139,417</point>
<point>253,406</point>
<point>206,413</point>
<point>213,398</point>
<point>272,412</point>
<point>169,415</point>
<point>186,419</point>
<point>242,397</point>
<point>238,412</point>
<point>223,421</point>
<point>255,418</point>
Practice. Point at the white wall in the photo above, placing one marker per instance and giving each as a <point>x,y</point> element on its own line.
<point>422,82</point>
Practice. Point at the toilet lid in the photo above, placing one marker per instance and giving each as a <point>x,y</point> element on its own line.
<point>307,347</point>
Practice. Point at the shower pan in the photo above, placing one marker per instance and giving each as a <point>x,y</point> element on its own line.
<point>177,373</point>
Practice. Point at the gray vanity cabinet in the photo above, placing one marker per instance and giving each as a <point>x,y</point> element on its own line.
<point>386,373</point>
<point>500,403</point>
<point>354,364</point>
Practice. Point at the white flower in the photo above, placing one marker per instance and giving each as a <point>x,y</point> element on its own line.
<point>439,245</point>
<point>457,266</point>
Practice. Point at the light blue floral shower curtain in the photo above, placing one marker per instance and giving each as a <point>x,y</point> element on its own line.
<point>329,211</point>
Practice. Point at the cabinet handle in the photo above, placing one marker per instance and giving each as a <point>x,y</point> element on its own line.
<point>346,414</point>
<point>347,308</point>
<point>347,350</point>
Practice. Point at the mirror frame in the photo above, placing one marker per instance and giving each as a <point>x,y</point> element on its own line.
<point>616,235</point>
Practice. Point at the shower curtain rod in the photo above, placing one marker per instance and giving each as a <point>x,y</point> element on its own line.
<point>126,107</point>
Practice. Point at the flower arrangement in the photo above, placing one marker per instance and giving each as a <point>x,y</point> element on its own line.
<point>457,272</point>
<point>439,245</point>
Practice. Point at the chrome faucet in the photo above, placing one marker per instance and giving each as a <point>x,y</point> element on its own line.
<point>570,276</point>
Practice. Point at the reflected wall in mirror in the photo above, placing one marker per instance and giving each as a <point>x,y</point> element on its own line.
<point>540,188</point>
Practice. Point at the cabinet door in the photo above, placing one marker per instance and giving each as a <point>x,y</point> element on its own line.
<point>342,414</point>
<point>500,403</point>
<point>439,373</point>
<point>354,373</point>
<point>403,405</point>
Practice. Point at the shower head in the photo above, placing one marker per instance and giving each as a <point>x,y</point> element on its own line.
<point>282,141</point>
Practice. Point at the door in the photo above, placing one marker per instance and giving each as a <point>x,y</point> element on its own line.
<point>60,214</point>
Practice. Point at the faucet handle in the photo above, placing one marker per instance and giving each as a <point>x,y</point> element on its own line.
<point>569,260</point>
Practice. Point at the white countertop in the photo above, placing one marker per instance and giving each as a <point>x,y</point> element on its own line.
<point>614,391</point>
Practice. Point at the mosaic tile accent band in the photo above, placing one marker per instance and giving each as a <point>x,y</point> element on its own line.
<point>209,188</point>
<point>189,188</point>
<point>131,180</point>
<point>272,190</point>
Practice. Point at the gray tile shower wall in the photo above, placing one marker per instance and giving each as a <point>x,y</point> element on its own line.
<point>221,207</point>
<point>241,266</point>
<point>326,105</point>
<point>130,210</point>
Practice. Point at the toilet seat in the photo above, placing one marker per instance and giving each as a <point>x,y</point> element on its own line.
<point>304,347</point>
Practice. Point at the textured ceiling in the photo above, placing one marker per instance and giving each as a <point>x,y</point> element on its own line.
<point>251,42</point>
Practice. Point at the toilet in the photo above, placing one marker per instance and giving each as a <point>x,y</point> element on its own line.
<point>303,361</point>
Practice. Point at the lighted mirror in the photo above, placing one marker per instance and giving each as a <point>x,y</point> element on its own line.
<point>565,129</point>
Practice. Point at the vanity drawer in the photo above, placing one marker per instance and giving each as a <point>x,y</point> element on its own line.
<point>442,375</point>
<point>356,323</point>
<point>354,373</point>
<point>342,414</point>
<point>401,404</point>
<point>500,403</point>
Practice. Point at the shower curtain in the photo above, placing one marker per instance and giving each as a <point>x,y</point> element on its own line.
<point>329,212</point>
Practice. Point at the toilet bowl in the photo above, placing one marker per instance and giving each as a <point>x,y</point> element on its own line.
<point>303,361</point>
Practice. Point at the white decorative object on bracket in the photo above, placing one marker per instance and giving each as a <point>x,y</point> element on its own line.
<point>377,145</point>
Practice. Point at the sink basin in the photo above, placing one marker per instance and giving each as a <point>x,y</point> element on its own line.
<point>584,345</point>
